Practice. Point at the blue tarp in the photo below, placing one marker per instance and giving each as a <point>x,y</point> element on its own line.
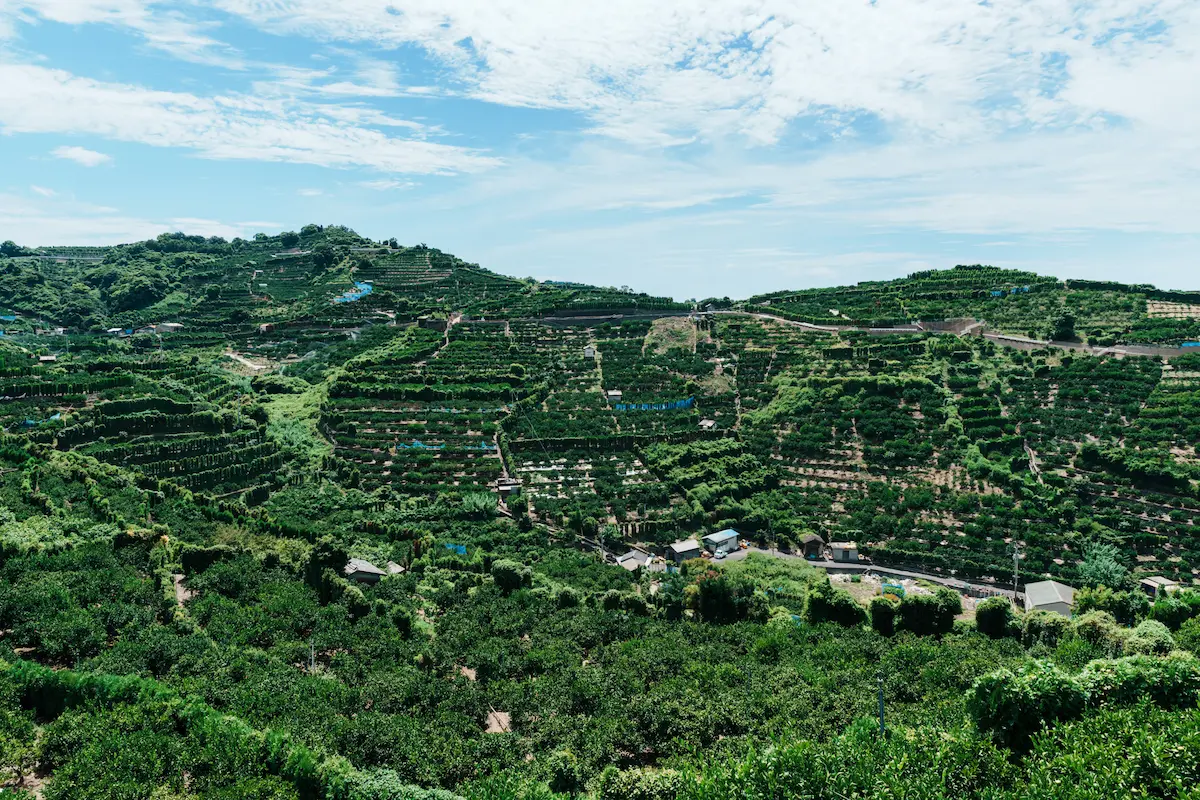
<point>8,317</point>
<point>461,549</point>
<point>416,445</point>
<point>1190,344</point>
<point>672,406</point>
<point>361,290</point>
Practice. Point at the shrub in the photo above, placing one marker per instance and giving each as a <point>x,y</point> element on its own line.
<point>638,784</point>
<point>930,615</point>
<point>1014,706</point>
<point>883,614</point>
<point>1171,611</point>
<point>1043,627</point>
<point>823,603</point>
<point>994,617</point>
<point>1151,637</point>
<point>510,576</point>
<point>1188,636</point>
<point>1128,608</point>
<point>1101,630</point>
<point>1171,682</point>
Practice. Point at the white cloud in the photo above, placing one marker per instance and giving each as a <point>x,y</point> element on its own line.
<point>68,222</point>
<point>166,30</point>
<point>661,72</point>
<point>386,184</point>
<point>310,192</point>
<point>81,155</point>
<point>43,191</point>
<point>35,99</point>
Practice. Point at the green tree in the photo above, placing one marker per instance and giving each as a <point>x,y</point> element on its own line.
<point>994,617</point>
<point>1101,566</point>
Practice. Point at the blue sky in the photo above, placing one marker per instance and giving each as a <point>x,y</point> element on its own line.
<point>687,147</point>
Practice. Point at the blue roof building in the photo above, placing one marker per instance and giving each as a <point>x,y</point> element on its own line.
<point>721,541</point>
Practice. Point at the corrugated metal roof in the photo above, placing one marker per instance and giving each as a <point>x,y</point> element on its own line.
<point>685,546</point>
<point>1044,593</point>
<point>359,565</point>
<point>721,536</point>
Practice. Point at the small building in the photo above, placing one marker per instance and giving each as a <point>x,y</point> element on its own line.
<point>845,552</point>
<point>721,542</point>
<point>47,359</point>
<point>633,560</point>
<point>394,569</point>
<point>432,323</point>
<point>508,487</point>
<point>362,571</point>
<point>812,546</point>
<point>613,395</point>
<point>707,424</point>
<point>682,551</point>
<point>589,352</point>
<point>168,327</point>
<point>115,331</point>
<point>266,327</point>
<point>1156,586</point>
<point>1050,596</point>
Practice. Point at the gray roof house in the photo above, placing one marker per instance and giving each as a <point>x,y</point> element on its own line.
<point>633,560</point>
<point>362,571</point>
<point>682,551</point>
<point>1049,596</point>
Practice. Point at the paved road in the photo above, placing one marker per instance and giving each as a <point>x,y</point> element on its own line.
<point>965,587</point>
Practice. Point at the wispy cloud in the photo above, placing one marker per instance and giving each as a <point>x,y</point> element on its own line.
<point>43,191</point>
<point>386,184</point>
<point>59,221</point>
<point>35,99</point>
<point>81,155</point>
<point>310,192</point>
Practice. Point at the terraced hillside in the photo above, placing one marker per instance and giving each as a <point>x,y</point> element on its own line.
<point>311,515</point>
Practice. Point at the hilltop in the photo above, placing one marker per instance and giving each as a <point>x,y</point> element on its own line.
<point>416,519</point>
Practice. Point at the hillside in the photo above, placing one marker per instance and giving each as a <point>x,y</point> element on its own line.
<point>199,435</point>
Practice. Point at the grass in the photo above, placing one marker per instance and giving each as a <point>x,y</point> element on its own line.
<point>292,423</point>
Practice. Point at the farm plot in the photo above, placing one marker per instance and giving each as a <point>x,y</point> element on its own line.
<point>1164,310</point>
<point>422,417</point>
<point>201,443</point>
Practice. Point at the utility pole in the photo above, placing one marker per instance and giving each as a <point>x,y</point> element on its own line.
<point>1016,572</point>
<point>882,728</point>
<point>312,657</point>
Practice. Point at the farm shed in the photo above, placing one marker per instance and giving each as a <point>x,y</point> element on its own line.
<point>1157,585</point>
<point>812,545</point>
<point>508,487</point>
<point>1050,596</point>
<point>725,541</point>
<point>168,327</point>
<point>362,571</point>
<point>682,551</point>
<point>707,424</point>
<point>589,352</point>
<point>613,394</point>
<point>633,560</point>
<point>844,551</point>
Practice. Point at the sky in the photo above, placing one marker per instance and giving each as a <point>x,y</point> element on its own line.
<point>692,148</point>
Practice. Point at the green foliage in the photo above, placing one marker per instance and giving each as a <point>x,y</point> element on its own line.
<point>883,611</point>
<point>1150,637</point>
<point>510,576</point>
<point>928,615</point>
<point>1101,566</point>
<point>994,617</point>
<point>824,603</point>
<point>1128,608</point>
